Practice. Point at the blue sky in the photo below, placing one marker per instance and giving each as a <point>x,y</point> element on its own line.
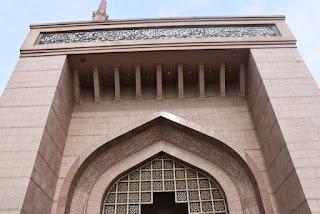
<point>16,16</point>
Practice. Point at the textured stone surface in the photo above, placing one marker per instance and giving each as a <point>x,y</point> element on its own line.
<point>90,122</point>
<point>289,126</point>
<point>30,157</point>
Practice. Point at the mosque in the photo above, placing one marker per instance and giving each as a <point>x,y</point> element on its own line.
<point>216,115</point>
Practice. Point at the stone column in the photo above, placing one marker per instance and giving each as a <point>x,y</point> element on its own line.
<point>159,83</point>
<point>242,80</point>
<point>222,79</point>
<point>138,82</point>
<point>201,82</point>
<point>117,83</point>
<point>180,82</point>
<point>96,84</point>
<point>77,86</point>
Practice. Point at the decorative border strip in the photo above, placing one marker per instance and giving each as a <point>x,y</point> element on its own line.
<point>158,33</point>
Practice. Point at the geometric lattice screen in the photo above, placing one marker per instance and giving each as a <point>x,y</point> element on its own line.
<point>163,174</point>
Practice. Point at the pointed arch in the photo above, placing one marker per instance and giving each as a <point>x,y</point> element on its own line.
<point>160,128</point>
<point>164,173</point>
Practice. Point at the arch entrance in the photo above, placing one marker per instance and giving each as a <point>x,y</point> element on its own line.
<point>164,185</point>
<point>164,203</point>
<point>95,186</point>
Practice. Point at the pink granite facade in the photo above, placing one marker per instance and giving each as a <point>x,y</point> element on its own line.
<point>36,109</point>
<point>287,126</point>
<point>75,116</point>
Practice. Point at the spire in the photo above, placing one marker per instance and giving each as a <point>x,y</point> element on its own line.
<point>103,5</point>
<point>101,13</point>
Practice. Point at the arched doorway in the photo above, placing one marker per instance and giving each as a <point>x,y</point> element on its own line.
<point>103,167</point>
<point>164,203</point>
<point>148,189</point>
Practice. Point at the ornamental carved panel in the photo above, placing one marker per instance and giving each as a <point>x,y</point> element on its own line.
<point>157,33</point>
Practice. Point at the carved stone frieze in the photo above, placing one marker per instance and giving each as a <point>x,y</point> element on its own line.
<point>157,33</point>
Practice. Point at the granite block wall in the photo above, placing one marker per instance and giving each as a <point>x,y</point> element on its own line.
<point>230,116</point>
<point>284,101</point>
<point>276,128</point>
<point>35,111</point>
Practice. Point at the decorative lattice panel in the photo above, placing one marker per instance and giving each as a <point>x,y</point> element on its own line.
<point>163,174</point>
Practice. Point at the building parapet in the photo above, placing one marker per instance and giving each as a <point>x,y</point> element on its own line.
<point>191,33</point>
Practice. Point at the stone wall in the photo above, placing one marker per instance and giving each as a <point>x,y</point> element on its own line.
<point>284,101</point>
<point>35,113</point>
<point>229,117</point>
<point>275,130</point>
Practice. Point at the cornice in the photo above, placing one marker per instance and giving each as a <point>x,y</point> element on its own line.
<point>31,45</point>
<point>189,20</point>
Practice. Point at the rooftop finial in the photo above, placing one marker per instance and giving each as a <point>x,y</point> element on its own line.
<point>101,13</point>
